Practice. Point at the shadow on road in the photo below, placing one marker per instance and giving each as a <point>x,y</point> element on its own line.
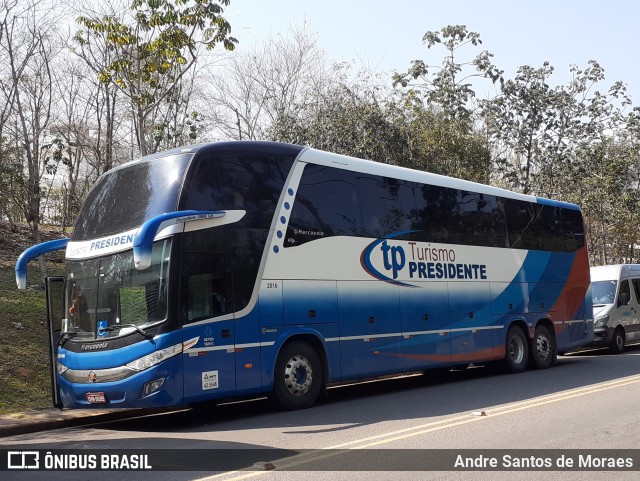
<point>185,437</point>
<point>417,396</point>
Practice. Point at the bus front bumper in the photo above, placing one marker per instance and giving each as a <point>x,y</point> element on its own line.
<point>155,387</point>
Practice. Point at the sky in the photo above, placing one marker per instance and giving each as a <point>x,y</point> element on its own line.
<point>386,35</point>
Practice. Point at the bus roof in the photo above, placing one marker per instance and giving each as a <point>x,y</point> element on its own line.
<point>321,157</point>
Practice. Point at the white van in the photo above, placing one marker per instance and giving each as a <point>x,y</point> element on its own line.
<point>615,291</point>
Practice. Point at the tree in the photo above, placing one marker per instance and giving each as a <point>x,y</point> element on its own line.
<point>7,86</point>
<point>75,131</point>
<point>438,108</point>
<point>569,142</point>
<point>254,88</point>
<point>438,143</point>
<point>619,197</point>
<point>535,128</point>
<point>11,182</point>
<point>346,118</point>
<point>27,54</point>
<point>98,55</point>
<point>449,85</point>
<point>153,50</point>
<point>176,121</point>
<point>10,170</point>
<point>518,121</point>
<point>358,118</point>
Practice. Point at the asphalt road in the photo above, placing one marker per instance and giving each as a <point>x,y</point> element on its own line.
<point>412,428</point>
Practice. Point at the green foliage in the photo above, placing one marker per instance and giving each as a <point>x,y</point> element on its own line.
<point>606,187</point>
<point>345,119</point>
<point>448,85</point>
<point>12,182</point>
<point>520,121</point>
<point>570,142</point>
<point>152,52</point>
<point>441,144</point>
<point>437,109</point>
<point>537,128</point>
<point>402,131</point>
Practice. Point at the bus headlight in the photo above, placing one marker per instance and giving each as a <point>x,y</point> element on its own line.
<point>154,358</point>
<point>601,321</point>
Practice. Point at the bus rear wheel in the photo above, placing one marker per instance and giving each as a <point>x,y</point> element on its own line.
<point>543,348</point>
<point>298,376</point>
<point>516,350</point>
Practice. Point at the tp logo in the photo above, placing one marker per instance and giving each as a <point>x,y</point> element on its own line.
<point>23,460</point>
<point>393,259</point>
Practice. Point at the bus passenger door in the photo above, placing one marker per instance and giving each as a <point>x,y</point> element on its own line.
<point>207,315</point>
<point>426,342</point>
<point>55,313</point>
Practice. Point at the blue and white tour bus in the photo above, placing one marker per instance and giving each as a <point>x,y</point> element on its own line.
<point>236,269</point>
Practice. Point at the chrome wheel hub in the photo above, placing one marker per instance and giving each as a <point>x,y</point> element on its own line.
<point>298,375</point>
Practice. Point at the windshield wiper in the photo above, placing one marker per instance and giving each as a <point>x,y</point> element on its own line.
<point>120,326</point>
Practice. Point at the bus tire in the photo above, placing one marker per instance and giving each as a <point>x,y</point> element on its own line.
<point>617,343</point>
<point>543,348</point>
<point>516,350</point>
<point>298,377</point>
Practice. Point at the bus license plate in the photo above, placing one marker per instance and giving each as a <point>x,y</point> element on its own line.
<point>96,397</point>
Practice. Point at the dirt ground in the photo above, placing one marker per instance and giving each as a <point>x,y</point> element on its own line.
<point>15,238</point>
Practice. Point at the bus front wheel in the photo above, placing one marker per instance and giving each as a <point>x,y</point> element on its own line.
<point>517,350</point>
<point>298,376</point>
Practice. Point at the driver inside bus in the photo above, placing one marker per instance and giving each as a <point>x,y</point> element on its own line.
<point>78,309</point>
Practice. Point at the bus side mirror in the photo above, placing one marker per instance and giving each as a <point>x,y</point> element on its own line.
<point>143,240</point>
<point>33,252</point>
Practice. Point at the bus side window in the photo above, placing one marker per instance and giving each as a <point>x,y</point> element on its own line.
<point>381,212</point>
<point>326,205</point>
<point>206,286</point>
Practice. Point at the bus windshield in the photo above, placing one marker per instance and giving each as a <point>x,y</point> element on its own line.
<point>125,197</point>
<point>108,297</point>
